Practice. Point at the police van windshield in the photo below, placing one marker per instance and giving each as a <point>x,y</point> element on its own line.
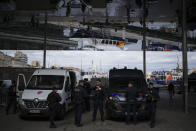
<point>46,82</point>
<point>122,83</point>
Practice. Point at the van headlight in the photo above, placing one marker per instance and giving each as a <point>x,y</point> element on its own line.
<point>110,98</point>
<point>21,102</point>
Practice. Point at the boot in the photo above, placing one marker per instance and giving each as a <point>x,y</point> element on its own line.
<point>7,112</point>
<point>152,125</point>
<point>93,120</point>
<point>102,119</point>
<point>79,125</point>
<point>52,125</point>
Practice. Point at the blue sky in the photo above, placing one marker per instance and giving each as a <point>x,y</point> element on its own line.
<point>106,60</point>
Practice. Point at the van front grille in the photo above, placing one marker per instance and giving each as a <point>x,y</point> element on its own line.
<point>32,104</point>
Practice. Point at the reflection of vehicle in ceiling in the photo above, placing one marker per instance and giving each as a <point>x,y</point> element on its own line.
<point>110,44</point>
<point>91,48</point>
<point>162,47</point>
<point>153,1</point>
<point>118,44</point>
<point>98,44</point>
<point>113,42</point>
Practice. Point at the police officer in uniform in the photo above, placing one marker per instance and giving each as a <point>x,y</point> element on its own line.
<point>87,87</point>
<point>11,100</point>
<point>153,97</point>
<point>171,91</point>
<point>131,96</point>
<point>98,100</point>
<point>53,103</point>
<point>79,97</point>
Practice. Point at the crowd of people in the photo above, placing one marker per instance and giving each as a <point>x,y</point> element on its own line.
<point>82,102</point>
<point>81,98</point>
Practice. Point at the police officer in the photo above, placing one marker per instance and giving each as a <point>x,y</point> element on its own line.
<point>131,96</point>
<point>98,100</point>
<point>79,97</point>
<point>11,100</point>
<point>171,91</point>
<point>53,103</point>
<point>153,97</point>
<point>87,87</point>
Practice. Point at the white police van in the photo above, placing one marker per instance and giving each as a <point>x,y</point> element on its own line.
<point>32,97</point>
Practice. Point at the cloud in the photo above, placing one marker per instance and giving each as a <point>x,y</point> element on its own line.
<point>106,60</point>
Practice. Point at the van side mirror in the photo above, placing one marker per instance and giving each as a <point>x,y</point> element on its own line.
<point>21,82</point>
<point>67,85</point>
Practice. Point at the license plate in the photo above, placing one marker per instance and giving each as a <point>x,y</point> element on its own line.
<point>34,111</point>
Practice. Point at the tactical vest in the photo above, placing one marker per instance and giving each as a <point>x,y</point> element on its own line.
<point>78,95</point>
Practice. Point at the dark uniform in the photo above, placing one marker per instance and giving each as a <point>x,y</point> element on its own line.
<point>79,97</point>
<point>131,96</point>
<point>53,103</point>
<point>171,91</point>
<point>12,99</point>
<point>87,87</point>
<point>99,102</point>
<point>153,97</point>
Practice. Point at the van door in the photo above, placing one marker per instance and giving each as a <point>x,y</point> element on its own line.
<point>68,92</point>
<point>21,85</point>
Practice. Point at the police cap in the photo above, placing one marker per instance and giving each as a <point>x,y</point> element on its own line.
<point>54,88</point>
<point>99,80</point>
<point>85,79</point>
<point>131,82</point>
<point>151,83</point>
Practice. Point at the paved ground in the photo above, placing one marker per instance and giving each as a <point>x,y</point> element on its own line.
<point>169,118</point>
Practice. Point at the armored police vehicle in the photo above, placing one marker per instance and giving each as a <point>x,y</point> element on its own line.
<point>33,95</point>
<point>118,84</point>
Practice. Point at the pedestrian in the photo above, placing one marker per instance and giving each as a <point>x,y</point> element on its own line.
<point>79,98</point>
<point>152,98</point>
<point>131,97</point>
<point>6,19</point>
<point>37,22</point>
<point>33,21</point>
<point>87,87</point>
<point>53,103</point>
<point>171,91</point>
<point>12,98</point>
<point>98,100</point>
